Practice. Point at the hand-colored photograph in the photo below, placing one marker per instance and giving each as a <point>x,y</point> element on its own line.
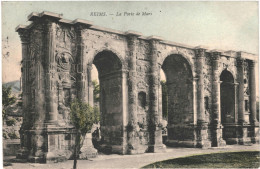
<point>130,84</point>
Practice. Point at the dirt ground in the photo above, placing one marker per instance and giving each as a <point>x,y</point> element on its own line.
<point>130,161</point>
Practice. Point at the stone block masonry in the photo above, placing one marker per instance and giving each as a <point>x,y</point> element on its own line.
<point>57,60</point>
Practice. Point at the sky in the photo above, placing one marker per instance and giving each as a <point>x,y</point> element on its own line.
<point>217,25</point>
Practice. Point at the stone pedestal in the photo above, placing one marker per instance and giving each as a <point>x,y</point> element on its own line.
<point>87,150</point>
<point>243,134</point>
<point>217,139</point>
<point>158,146</point>
<point>202,136</point>
<point>255,134</point>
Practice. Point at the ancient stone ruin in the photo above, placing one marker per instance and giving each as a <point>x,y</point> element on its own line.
<point>211,93</point>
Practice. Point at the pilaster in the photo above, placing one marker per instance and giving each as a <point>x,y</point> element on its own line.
<point>202,125</point>
<point>241,108</point>
<point>51,74</point>
<point>155,133</point>
<point>133,139</point>
<point>26,125</point>
<point>90,86</point>
<point>253,120</point>
<point>82,81</point>
<point>216,132</point>
<point>243,125</point>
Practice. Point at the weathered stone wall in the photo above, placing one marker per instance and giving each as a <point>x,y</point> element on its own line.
<point>35,76</point>
<point>65,56</point>
<point>207,76</point>
<point>246,91</point>
<point>98,41</point>
<point>142,83</point>
<point>57,62</point>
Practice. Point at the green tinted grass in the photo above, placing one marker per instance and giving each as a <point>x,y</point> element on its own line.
<point>247,159</point>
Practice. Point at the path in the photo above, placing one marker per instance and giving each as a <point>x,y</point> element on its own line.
<point>131,161</point>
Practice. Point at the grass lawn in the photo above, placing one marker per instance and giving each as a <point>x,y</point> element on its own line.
<point>246,159</point>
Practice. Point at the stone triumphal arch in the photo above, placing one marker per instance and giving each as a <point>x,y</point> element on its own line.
<point>211,94</point>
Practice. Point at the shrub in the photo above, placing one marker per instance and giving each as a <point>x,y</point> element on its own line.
<point>10,122</point>
<point>13,135</point>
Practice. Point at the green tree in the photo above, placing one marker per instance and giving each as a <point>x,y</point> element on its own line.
<point>83,117</point>
<point>7,99</point>
<point>164,99</point>
<point>96,91</point>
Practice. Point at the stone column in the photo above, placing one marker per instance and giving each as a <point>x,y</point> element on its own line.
<point>252,89</point>
<point>217,140</point>
<point>195,84</point>
<point>236,101</point>
<point>241,108</point>
<point>202,125</point>
<point>90,86</point>
<point>25,39</point>
<point>133,139</point>
<point>50,75</point>
<point>81,69</point>
<point>160,96</point>
<point>253,121</point>
<point>125,142</point>
<point>154,124</point>
<point>200,55</point>
<point>243,126</point>
<point>24,35</point>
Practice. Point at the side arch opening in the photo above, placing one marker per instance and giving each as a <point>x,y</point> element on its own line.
<point>227,101</point>
<point>179,97</point>
<point>109,68</point>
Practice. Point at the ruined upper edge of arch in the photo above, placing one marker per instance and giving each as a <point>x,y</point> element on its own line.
<point>59,17</point>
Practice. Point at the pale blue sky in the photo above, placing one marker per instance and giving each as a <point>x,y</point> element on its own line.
<point>220,25</point>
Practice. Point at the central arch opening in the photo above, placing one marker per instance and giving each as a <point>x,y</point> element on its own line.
<point>227,97</point>
<point>179,106</point>
<point>109,69</point>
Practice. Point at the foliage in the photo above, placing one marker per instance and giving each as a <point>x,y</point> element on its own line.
<point>96,91</point>
<point>7,99</point>
<point>5,135</point>
<point>164,99</point>
<point>96,114</point>
<point>82,115</point>
<point>13,135</point>
<point>257,110</point>
<point>10,122</point>
<point>248,159</point>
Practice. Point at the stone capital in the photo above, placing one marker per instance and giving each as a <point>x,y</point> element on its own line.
<point>24,35</point>
<point>200,52</point>
<point>240,62</point>
<point>251,64</point>
<point>49,26</point>
<point>215,55</point>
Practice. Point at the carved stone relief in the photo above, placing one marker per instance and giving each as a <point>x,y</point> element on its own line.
<point>143,50</point>
<point>246,78</point>
<point>65,36</point>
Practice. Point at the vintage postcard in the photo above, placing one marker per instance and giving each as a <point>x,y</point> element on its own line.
<point>130,84</point>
